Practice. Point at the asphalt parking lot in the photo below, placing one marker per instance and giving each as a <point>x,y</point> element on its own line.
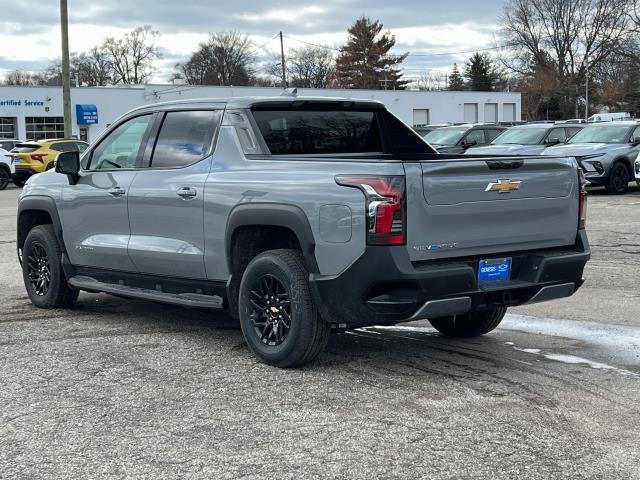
<point>117,388</point>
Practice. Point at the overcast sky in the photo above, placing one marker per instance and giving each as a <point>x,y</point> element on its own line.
<point>30,36</point>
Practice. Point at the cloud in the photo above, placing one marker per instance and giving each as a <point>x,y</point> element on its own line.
<point>29,32</point>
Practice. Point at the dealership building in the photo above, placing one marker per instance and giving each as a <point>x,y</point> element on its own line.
<point>33,113</point>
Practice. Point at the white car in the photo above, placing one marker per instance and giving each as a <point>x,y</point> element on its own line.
<point>7,169</point>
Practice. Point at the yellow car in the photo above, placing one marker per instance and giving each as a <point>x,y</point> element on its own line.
<point>30,158</point>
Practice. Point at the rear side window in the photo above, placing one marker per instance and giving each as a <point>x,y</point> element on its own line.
<point>184,138</point>
<point>476,136</point>
<point>572,131</point>
<point>64,147</point>
<point>313,132</point>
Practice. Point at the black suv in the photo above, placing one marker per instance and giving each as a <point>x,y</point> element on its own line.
<point>458,138</point>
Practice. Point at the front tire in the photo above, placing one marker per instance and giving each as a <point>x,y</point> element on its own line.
<point>18,182</point>
<point>618,179</point>
<point>4,178</point>
<point>42,270</point>
<point>279,321</point>
<point>471,324</point>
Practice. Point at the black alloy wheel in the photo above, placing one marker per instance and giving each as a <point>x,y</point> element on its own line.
<point>619,180</point>
<point>38,269</point>
<point>270,312</point>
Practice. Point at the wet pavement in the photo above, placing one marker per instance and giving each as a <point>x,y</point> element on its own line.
<point>118,388</point>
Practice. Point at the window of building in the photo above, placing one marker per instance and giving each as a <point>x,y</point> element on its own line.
<point>38,128</point>
<point>184,138</point>
<point>7,127</point>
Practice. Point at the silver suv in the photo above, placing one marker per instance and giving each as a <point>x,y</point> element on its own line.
<point>300,216</point>
<point>606,152</point>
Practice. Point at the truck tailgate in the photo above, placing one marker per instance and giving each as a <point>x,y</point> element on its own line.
<point>479,207</point>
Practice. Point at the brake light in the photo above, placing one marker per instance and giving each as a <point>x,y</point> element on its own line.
<point>385,207</point>
<point>37,157</point>
<point>582,211</point>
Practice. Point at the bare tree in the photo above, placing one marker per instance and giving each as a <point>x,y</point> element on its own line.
<point>23,78</point>
<point>430,81</point>
<point>563,39</point>
<point>224,59</point>
<point>132,57</point>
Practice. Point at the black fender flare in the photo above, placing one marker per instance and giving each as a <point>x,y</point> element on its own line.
<point>275,215</point>
<point>44,204</point>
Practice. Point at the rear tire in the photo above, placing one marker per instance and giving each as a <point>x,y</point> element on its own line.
<point>4,178</point>
<point>619,179</point>
<point>279,321</point>
<point>471,324</point>
<point>18,182</point>
<point>42,271</point>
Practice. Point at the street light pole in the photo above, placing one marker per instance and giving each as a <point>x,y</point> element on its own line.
<point>66,79</point>
<point>586,87</point>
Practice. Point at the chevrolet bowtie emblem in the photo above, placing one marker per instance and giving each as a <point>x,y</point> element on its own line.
<point>503,186</point>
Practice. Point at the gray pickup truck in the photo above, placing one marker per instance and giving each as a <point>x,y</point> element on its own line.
<point>301,216</point>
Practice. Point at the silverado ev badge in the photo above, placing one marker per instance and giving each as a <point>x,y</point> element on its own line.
<point>435,247</point>
<point>503,186</point>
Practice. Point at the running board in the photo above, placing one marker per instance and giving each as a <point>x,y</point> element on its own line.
<point>192,300</point>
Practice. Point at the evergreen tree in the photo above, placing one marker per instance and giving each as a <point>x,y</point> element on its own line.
<point>456,82</point>
<point>480,72</point>
<point>364,61</point>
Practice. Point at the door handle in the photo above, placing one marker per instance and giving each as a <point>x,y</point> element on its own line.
<point>186,193</point>
<point>117,191</point>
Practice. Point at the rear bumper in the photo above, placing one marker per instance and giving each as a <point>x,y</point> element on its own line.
<point>384,287</point>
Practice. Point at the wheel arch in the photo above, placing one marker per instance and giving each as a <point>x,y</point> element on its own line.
<point>34,211</point>
<point>250,225</point>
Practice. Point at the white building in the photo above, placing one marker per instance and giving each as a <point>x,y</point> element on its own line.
<point>36,112</point>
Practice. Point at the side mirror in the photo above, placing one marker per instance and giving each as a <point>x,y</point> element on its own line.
<point>469,143</point>
<point>552,141</point>
<point>635,141</point>
<point>68,163</point>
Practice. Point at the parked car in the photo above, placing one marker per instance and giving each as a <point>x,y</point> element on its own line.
<point>606,152</point>
<point>530,139</point>
<point>571,120</point>
<point>6,168</point>
<point>457,139</point>
<point>423,130</point>
<point>609,117</point>
<point>300,215</point>
<point>8,143</point>
<point>30,158</point>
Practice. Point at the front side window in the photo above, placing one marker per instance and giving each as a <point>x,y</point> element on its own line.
<point>119,149</point>
<point>184,138</point>
<point>310,132</point>
<point>81,146</point>
<point>557,134</point>
<point>475,137</point>
<point>492,133</point>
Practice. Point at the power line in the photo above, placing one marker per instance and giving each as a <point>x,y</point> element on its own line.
<point>264,44</point>
<point>438,54</point>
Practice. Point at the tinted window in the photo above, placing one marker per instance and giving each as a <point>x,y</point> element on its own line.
<point>7,145</point>
<point>184,138</point>
<point>475,136</point>
<point>572,131</point>
<point>492,133</point>
<point>557,134</point>
<point>119,149</point>
<point>58,147</point>
<point>81,146</point>
<point>308,132</point>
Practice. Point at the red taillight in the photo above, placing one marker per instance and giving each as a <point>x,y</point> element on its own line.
<point>582,217</point>
<point>38,157</point>
<point>386,215</point>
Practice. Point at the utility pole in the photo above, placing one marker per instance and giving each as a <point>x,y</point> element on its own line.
<point>284,68</point>
<point>66,80</point>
